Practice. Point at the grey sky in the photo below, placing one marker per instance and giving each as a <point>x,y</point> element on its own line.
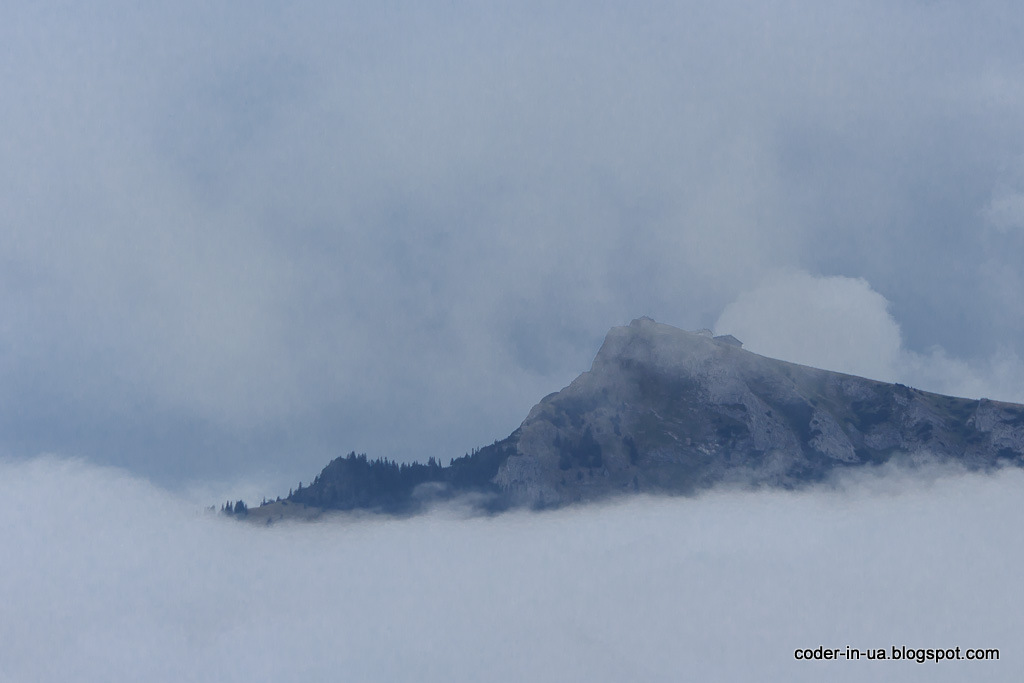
<point>236,241</point>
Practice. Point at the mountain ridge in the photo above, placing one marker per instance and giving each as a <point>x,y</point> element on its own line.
<point>662,410</point>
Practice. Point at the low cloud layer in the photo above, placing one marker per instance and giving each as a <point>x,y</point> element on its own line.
<point>107,578</point>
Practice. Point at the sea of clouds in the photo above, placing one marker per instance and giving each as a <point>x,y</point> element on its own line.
<point>106,577</point>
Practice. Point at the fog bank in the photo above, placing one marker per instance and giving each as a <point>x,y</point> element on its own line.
<point>109,578</point>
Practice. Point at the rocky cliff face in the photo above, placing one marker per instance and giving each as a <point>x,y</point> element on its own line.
<point>663,410</point>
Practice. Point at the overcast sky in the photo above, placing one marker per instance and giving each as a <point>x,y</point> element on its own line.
<point>238,239</point>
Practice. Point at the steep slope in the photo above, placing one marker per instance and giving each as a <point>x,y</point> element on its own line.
<point>664,410</point>
<point>672,411</point>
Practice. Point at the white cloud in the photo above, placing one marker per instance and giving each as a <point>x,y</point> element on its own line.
<point>842,324</point>
<point>838,323</point>
<point>108,578</point>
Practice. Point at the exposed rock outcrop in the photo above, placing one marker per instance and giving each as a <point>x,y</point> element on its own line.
<point>666,410</point>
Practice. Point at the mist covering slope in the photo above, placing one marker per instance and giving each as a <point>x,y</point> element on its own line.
<point>668,411</point>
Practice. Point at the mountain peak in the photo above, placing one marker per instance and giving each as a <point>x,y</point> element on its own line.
<point>663,347</point>
<point>663,409</point>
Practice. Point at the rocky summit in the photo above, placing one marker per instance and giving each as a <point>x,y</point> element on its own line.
<point>666,410</point>
<point>663,410</point>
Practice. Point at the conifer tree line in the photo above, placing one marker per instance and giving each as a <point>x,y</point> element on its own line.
<point>357,482</point>
<point>237,508</point>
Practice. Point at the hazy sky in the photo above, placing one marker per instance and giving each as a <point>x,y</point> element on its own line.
<point>113,579</point>
<point>239,239</point>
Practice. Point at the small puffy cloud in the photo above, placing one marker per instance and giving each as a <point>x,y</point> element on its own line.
<point>838,323</point>
<point>843,324</point>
